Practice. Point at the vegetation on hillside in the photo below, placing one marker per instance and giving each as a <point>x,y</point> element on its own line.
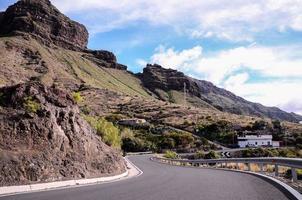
<point>109,133</point>
<point>271,152</point>
<point>77,97</point>
<point>31,105</point>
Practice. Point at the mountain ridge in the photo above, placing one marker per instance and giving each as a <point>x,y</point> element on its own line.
<point>155,78</point>
<point>23,19</point>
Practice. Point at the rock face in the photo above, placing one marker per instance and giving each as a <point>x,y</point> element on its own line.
<point>43,138</point>
<point>156,77</point>
<point>104,59</point>
<point>45,22</point>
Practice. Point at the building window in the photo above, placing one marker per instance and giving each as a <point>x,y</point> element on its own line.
<point>256,143</point>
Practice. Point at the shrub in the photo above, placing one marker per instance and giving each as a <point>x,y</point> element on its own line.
<point>199,155</point>
<point>77,97</point>
<point>260,125</point>
<point>171,155</point>
<point>182,140</point>
<point>127,133</point>
<point>133,144</point>
<point>109,133</point>
<point>86,110</point>
<point>114,117</point>
<point>31,105</point>
<point>167,143</point>
<point>211,155</point>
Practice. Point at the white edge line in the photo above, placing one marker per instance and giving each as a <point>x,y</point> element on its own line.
<point>59,185</point>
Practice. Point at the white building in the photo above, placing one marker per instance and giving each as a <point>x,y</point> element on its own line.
<point>255,141</point>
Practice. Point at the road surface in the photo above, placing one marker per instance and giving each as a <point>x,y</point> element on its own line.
<point>164,182</point>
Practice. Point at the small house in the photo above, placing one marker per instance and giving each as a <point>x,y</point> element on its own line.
<point>255,140</point>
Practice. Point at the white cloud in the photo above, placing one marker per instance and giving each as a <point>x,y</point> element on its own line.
<point>174,59</point>
<point>268,61</point>
<point>231,69</point>
<point>233,20</point>
<point>283,94</point>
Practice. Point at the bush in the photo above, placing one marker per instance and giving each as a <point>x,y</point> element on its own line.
<point>127,133</point>
<point>109,133</point>
<point>260,125</point>
<point>171,155</point>
<point>182,140</point>
<point>86,110</point>
<point>261,152</point>
<point>77,97</point>
<point>211,155</point>
<point>31,105</point>
<point>132,144</point>
<point>199,155</point>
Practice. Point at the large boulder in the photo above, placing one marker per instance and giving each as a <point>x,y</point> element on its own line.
<point>44,138</point>
<point>45,22</point>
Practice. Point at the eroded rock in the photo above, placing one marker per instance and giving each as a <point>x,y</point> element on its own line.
<point>51,142</point>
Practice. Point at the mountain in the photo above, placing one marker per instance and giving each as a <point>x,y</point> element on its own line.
<point>44,138</point>
<point>169,85</point>
<point>45,23</point>
<point>39,43</point>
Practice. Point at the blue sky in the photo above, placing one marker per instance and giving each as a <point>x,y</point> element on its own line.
<point>252,48</point>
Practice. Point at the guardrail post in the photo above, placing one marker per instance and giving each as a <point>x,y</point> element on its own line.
<point>249,166</point>
<point>294,174</point>
<point>261,167</point>
<point>276,170</point>
<point>237,166</point>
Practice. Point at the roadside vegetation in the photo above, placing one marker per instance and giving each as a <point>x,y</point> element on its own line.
<point>271,152</point>
<point>203,155</point>
<point>171,155</point>
<point>109,133</point>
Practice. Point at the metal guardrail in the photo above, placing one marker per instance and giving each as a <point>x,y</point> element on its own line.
<point>293,163</point>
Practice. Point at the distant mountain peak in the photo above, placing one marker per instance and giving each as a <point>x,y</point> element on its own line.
<point>45,22</point>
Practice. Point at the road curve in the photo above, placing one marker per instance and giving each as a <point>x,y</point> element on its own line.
<point>164,182</point>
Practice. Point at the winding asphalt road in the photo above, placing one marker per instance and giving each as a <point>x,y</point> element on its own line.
<point>164,182</point>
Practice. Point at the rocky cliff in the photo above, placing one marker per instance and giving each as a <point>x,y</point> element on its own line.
<point>45,22</point>
<point>44,138</point>
<point>156,78</point>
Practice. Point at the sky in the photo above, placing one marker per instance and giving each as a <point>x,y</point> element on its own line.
<point>252,48</point>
